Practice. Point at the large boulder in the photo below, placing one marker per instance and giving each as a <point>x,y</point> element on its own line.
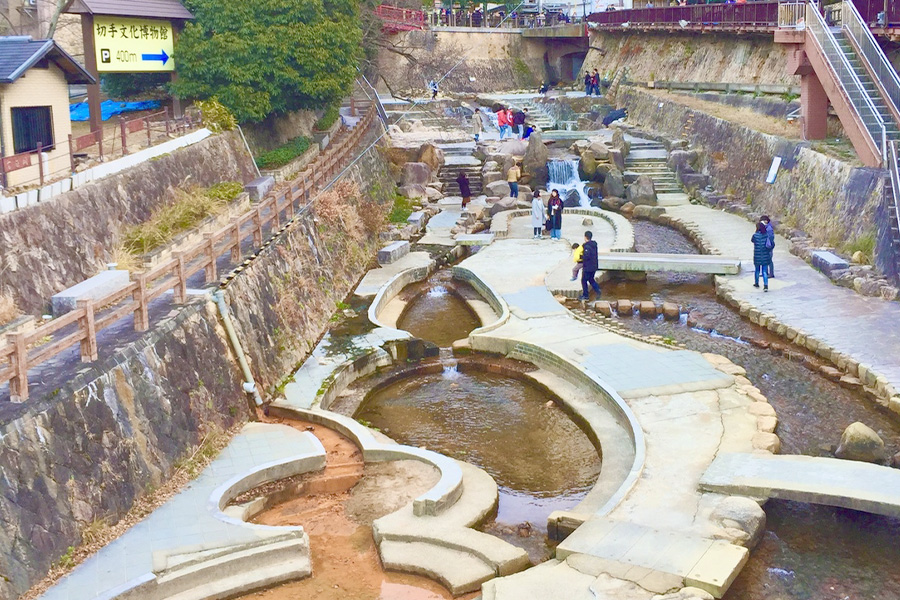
<point>497,188</point>
<point>535,161</point>
<point>432,156</point>
<point>617,158</point>
<point>572,199</point>
<point>744,514</point>
<point>682,160</point>
<point>642,191</point>
<point>587,166</point>
<point>400,155</point>
<point>860,442</point>
<point>600,150</point>
<point>618,142</point>
<point>491,177</point>
<point>694,180</point>
<point>610,203</point>
<point>491,165</point>
<point>415,173</point>
<point>614,184</point>
<point>513,147</point>
<point>507,203</point>
<point>413,191</point>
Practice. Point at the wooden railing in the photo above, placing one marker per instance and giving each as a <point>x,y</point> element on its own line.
<point>26,350</point>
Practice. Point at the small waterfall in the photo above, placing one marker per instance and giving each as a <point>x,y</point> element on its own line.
<point>449,362</point>
<point>563,177</point>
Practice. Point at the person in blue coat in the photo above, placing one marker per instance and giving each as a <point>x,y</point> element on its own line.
<point>770,243</point>
<point>589,259</point>
<point>762,256</point>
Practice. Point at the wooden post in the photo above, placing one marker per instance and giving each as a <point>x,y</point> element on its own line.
<point>88,325</point>
<point>210,271</point>
<point>124,136</point>
<point>90,64</point>
<point>40,151</point>
<point>71,154</point>
<point>100,144</point>
<point>168,131</point>
<point>236,241</point>
<point>276,214</point>
<point>257,226</point>
<point>18,385</point>
<point>142,312</point>
<point>180,290</point>
<point>149,139</point>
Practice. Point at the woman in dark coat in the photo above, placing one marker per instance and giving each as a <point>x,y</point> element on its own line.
<point>554,215</point>
<point>463,180</point>
<point>762,256</point>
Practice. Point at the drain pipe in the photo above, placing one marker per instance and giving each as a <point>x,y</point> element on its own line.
<point>249,386</point>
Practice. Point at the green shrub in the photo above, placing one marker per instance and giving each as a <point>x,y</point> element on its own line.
<point>331,115</point>
<point>865,244</point>
<point>401,210</point>
<point>282,155</point>
<point>225,190</point>
<point>216,117</point>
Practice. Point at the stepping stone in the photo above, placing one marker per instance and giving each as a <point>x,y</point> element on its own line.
<point>828,261</point>
<point>393,252</point>
<point>474,239</point>
<point>460,572</point>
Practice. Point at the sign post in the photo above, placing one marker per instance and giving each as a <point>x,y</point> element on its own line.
<point>90,63</point>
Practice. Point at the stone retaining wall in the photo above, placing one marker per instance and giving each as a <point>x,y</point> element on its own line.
<point>832,201</point>
<point>53,245</point>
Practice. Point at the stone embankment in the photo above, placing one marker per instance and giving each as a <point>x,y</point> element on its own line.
<point>87,451</point>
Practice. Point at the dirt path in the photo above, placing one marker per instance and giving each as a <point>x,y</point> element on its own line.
<point>336,511</point>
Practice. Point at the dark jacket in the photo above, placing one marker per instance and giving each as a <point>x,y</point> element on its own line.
<point>761,254</point>
<point>554,212</point>
<point>770,236</point>
<point>589,256</point>
<point>463,182</point>
<point>519,118</point>
<point>587,79</point>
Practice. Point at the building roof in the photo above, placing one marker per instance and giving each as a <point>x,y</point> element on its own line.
<point>20,53</point>
<point>154,9</point>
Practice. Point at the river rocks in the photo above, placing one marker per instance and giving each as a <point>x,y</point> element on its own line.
<point>627,208</point>
<point>507,203</point>
<point>860,442</point>
<point>618,142</point>
<point>600,150</point>
<point>415,173</point>
<point>743,514</point>
<point>625,308</point>
<point>432,156</point>
<point>572,199</point>
<point>670,311</point>
<point>609,203</point>
<point>694,180</point>
<point>642,191</point>
<point>413,191</point>
<point>617,158</point>
<point>535,161</point>
<point>767,442</point>
<point>603,307</point>
<point>614,184</point>
<point>587,167</point>
<point>491,177</point>
<point>497,188</point>
<point>682,160</point>
<point>647,309</point>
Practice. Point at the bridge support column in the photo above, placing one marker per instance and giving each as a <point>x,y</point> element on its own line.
<point>813,108</point>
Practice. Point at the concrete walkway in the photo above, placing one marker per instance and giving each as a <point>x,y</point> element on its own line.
<point>831,481</point>
<point>187,522</point>
<point>687,410</point>
<point>863,328</point>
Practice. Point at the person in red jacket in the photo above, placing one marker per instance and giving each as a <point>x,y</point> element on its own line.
<point>503,122</point>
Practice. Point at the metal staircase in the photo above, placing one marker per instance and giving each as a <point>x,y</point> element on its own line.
<point>892,204</point>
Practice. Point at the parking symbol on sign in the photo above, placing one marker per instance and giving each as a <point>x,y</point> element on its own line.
<point>105,56</point>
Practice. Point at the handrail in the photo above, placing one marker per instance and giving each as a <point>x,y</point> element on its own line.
<point>93,316</point>
<point>895,182</point>
<point>872,52</point>
<point>816,25</point>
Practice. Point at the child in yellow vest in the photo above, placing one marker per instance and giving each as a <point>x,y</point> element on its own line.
<point>577,252</point>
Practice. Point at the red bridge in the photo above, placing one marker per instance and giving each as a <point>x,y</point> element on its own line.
<point>400,19</point>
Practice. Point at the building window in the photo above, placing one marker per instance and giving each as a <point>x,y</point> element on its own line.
<point>32,127</point>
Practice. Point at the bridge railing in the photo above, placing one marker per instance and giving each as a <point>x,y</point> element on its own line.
<point>755,14</point>
<point>870,10</point>
<point>402,19</point>
<point>884,72</point>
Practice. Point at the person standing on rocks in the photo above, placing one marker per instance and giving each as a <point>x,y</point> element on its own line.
<point>554,215</point>
<point>537,215</point>
<point>762,256</point>
<point>770,242</point>
<point>476,125</point>
<point>519,121</point>
<point>464,189</point>
<point>512,178</point>
<point>595,82</point>
<point>589,258</point>
<point>503,122</point>
<point>588,85</point>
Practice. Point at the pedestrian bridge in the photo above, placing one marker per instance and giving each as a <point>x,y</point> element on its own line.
<point>679,263</point>
<point>830,481</point>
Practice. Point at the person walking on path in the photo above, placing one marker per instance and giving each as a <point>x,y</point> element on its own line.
<point>433,86</point>
<point>589,258</point>
<point>464,190</point>
<point>476,125</point>
<point>770,242</point>
<point>762,256</point>
<point>588,84</point>
<point>537,215</point>
<point>512,178</point>
<point>577,255</point>
<point>554,215</point>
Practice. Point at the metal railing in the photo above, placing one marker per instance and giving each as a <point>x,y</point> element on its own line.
<point>400,19</point>
<point>724,16</point>
<point>873,54</point>
<point>850,84</point>
<point>792,15</point>
<point>894,168</point>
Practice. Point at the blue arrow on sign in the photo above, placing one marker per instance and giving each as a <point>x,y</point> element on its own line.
<point>161,57</point>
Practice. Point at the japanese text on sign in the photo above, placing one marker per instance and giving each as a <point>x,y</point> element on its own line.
<point>126,45</point>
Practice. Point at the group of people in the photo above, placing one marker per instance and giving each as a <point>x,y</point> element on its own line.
<point>763,241</point>
<point>508,121</point>
<point>592,83</point>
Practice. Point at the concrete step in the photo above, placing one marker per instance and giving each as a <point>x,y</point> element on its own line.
<point>653,557</point>
<point>460,572</point>
<point>254,567</point>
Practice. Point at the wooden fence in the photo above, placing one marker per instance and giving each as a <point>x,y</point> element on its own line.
<point>26,350</point>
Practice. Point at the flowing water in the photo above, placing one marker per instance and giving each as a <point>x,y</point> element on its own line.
<point>538,456</point>
<point>808,552</point>
<point>437,310</point>
<point>563,177</point>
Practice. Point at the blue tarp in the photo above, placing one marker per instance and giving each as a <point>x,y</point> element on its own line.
<point>108,108</point>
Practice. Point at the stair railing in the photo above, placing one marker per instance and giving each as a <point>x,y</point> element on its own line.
<point>853,88</point>
<point>872,53</point>
<point>894,168</point>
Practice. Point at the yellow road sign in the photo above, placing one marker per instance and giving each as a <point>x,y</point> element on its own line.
<point>126,45</point>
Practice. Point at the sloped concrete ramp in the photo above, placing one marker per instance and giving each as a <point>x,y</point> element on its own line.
<point>830,481</point>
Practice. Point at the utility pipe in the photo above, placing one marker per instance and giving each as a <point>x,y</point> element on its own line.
<point>249,386</point>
